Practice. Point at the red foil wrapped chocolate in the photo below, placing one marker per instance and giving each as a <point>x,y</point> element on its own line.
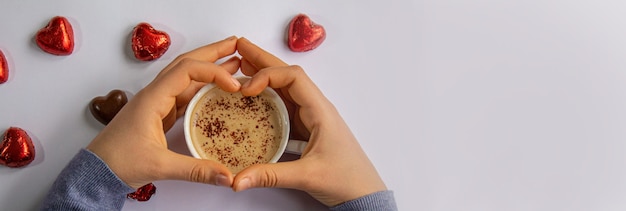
<point>148,43</point>
<point>16,149</point>
<point>144,193</point>
<point>4,68</point>
<point>304,34</point>
<point>57,37</point>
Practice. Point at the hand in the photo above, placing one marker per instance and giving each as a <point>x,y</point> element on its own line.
<point>133,144</point>
<point>333,167</point>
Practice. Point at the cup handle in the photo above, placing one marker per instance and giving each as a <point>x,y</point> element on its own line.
<point>295,147</point>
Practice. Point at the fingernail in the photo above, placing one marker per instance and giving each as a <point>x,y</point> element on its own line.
<point>222,180</point>
<point>243,184</point>
<point>235,82</point>
<point>231,37</point>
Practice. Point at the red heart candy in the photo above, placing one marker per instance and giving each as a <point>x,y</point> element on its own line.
<point>304,34</point>
<point>4,69</point>
<point>149,43</point>
<point>104,108</point>
<point>57,37</point>
<point>17,148</point>
<point>144,193</point>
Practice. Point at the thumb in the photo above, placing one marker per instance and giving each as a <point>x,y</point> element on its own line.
<point>280,175</point>
<point>181,167</point>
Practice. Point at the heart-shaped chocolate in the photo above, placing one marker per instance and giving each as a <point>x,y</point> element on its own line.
<point>148,43</point>
<point>104,108</point>
<point>144,193</point>
<point>17,148</point>
<point>57,37</point>
<point>304,34</point>
<point>4,68</point>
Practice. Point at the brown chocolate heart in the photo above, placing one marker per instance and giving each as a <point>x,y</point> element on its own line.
<point>104,108</point>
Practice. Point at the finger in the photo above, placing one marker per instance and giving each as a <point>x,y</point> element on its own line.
<point>180,167</point>
<point>231,66</point>
<point>247,68</point>
<point>183,99</point>
<point>300,87</point>
<point>210,53</point>
<point>272,175</point>
<point>176,81</point>
<point>257,56</point>
<point>165,89</point>
<point>306,104</point>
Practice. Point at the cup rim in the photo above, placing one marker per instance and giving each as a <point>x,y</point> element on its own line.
<point>280,105</point>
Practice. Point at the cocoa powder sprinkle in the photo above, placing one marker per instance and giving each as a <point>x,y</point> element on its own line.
<point>240,129</point>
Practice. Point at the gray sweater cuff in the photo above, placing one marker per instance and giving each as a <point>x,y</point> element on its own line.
<point>86,183</point>
<point>382,200</point>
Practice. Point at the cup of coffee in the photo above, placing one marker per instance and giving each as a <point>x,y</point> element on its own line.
<point>238,131</point>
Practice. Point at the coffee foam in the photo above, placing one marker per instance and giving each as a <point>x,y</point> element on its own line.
<point>236,130</point>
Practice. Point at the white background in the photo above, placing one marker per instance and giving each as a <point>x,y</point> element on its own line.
<point>460,104</point>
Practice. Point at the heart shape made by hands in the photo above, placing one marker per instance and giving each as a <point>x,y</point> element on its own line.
<point>304,34</point>
<point>16,149</point>
<point>148,43</point>
<point>104,108</point>
<point>57,37</point>
<point>144,193</point>
<point>4,68</point>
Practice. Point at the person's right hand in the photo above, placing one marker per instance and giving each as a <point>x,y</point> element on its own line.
<point>333,167</point>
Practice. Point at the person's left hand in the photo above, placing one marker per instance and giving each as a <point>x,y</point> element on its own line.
<point>133,144</point>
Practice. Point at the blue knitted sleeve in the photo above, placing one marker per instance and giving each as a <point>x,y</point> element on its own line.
<point>86,183</point>
<point>382,200</point>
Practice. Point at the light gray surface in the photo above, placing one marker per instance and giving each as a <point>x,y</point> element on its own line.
<point>461,105</point>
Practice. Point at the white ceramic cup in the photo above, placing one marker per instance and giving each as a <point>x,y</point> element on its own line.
<point>286,145</point>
